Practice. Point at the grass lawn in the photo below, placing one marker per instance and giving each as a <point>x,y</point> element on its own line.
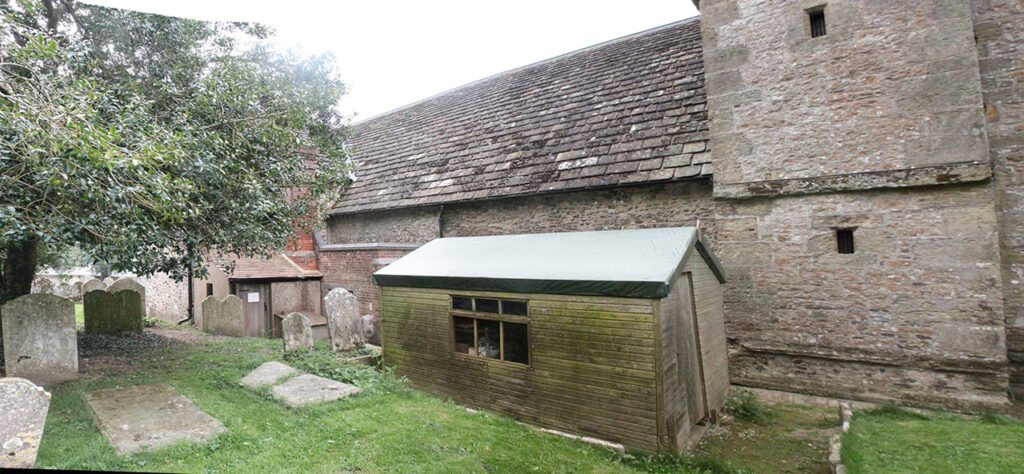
<point>388,427</point>
<point>793,438</point>
<point>894,440</point>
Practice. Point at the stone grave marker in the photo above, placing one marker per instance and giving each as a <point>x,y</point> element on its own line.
<point>296,332</point>
<point>223,316</point>
<point>149,417</point>
<point>111,313</point>
<point>130,284</point>
<point>108,281</point>
<point>344,323</point>
<point>23,408</point>
<point>267,373</point>
<point>309,389</point>
<point>93,284</point>
<point>40,341</point>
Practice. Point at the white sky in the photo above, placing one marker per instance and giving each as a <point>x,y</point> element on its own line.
<point>391,53</point>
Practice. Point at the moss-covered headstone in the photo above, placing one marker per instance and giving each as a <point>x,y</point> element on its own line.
<point>111,313</point>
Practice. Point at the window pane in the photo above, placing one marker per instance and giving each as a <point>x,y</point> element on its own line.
<point>516,343</point>
<point>488,334</point>
<point>463,328</point>
<point>486,306</point>
<point>461,302</point>
<point>513,308</point>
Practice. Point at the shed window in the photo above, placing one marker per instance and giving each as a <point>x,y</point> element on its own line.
<point>491,328</point>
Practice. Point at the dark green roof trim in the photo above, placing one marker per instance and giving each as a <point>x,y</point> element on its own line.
<point>705,251</point>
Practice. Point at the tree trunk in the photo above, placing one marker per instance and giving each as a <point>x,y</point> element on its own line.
<point>19,269</point>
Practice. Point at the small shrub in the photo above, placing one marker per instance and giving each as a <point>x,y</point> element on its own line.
<point>150,322</point>
<point>745,405</point>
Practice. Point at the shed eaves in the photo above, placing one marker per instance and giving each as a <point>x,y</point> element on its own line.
<point>629,111</point>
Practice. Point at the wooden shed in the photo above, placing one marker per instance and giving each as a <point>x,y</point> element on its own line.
<point>612,334</point>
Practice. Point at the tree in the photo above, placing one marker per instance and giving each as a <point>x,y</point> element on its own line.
<point>150,142</point>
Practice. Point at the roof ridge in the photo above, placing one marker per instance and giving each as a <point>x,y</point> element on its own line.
<point>533,64</point>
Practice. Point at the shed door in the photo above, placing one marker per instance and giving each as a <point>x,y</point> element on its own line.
<point>255,307</point>
<point>691,361</point>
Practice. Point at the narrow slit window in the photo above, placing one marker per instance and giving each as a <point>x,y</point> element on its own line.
<point>844,240</point>
<point>817,18</point>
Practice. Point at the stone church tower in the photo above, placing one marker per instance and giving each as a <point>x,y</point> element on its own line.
<point>868,171</point>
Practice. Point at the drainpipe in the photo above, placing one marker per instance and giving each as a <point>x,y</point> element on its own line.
<point>440,222</point>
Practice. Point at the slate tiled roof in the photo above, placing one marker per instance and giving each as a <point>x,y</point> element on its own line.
<point>277,267</point>
<point>628,111</point>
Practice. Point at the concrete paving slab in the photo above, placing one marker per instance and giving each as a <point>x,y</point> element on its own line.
<point>267,374</point>
<point>309,389</point>
<point>149,417</point>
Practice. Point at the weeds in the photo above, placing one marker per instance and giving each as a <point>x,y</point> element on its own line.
<point>745,405</point>
<point>323,362</point>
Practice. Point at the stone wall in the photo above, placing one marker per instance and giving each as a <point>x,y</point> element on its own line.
<point>166,299</point>
<point>891,86</point>
<point>295,296</point>
<point>915,314</point>
<point>999,27</point>
<point>344,264</point>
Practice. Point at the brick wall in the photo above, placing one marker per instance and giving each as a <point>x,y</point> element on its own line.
<point>353,270</point>
<point>999,27</point>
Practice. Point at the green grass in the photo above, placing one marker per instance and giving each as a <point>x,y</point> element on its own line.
<point>79,313</point>
<point>890,439</point>
<point>780,437</point>
<point>388,427</point>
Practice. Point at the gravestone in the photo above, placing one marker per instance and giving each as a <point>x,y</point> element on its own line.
<point>149,417</point>
<point>296,332</point>
<point>108,281</point>
<point>40,342</point>
<point>130,284</point>
<point>111,313</point>
<point>23,408</point>
<point>267,373</point>
<point>92,284</point>
<point>223,316</point>
<point>344,323</point>
<point>309,389</point>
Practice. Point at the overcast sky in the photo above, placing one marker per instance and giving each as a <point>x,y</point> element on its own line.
<point>391,53</point>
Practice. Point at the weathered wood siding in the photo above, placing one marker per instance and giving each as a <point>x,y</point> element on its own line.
<point>708,292</point>
<point>593,362</point>
<point>680,367</point>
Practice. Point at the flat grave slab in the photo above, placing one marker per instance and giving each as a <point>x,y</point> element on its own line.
<point>308,389</point>
<point>149,417</point>
<point>267,374</point>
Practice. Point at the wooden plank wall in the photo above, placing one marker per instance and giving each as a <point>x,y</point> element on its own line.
<point>709,293</point>
<point>592,371</point>
<point>677,343</point>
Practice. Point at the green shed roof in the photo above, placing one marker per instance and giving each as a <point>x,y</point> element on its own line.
<point>640,263</point>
